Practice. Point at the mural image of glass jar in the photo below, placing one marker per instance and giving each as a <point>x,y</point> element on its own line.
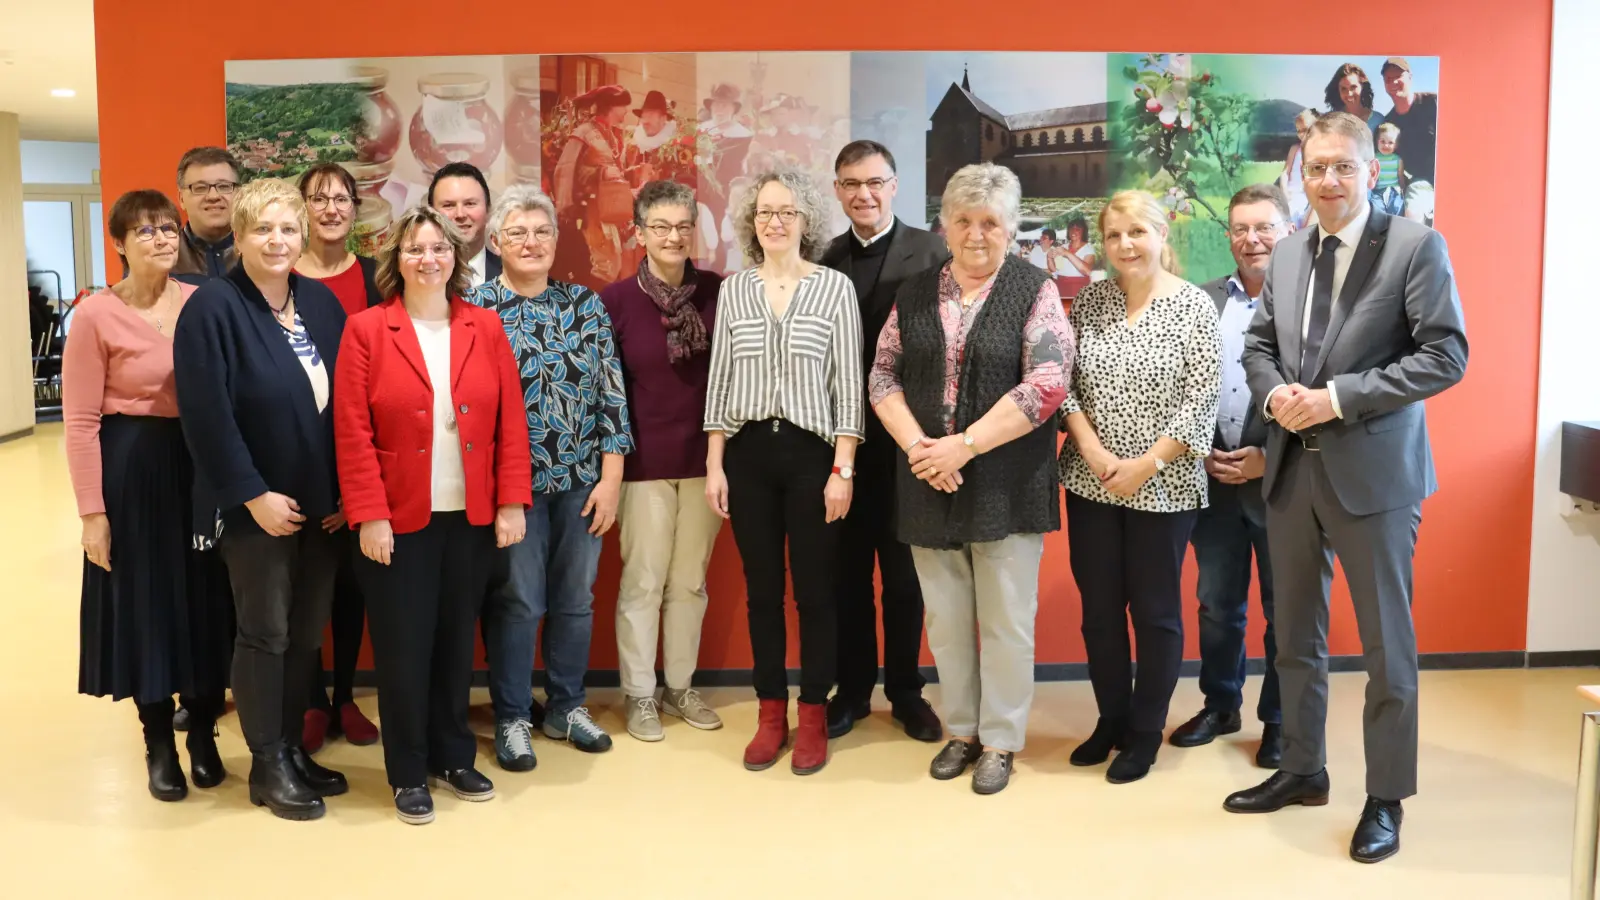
<point>524,130</point>
<point>370,176</point>
<point>378,140</point>
<point>372,225</point>
<point>454,123</point>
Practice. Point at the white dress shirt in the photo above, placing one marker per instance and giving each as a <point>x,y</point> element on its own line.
<point>478,266</point>
<point>1234,404</point>
<point>1349,236</point>
<point>868,242</point>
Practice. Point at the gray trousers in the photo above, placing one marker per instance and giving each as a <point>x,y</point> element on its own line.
<point>1308,526</point>
<point>979,606</point>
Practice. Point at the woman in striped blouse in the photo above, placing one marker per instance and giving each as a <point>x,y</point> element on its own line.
<point>783,407</point>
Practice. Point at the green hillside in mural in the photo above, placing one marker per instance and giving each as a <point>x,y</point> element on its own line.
<point>284,130</point>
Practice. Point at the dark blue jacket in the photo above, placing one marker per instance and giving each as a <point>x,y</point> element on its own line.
<point>245,402</point>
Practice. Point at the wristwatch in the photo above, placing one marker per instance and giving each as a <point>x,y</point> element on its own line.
<point>1161,464</point>
<point>972,444</point>
<point>845,472</point>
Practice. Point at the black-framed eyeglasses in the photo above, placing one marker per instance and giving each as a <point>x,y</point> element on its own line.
<point>202,188</point>
<point>663,229</point>
<point>341,202</point>
<point>851,185</point>
<point>786,216</point>
<point>516,237</point>
<point>148,233</point>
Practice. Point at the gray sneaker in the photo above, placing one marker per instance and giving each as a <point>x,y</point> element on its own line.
<point>993,772</point>
<point>954,759</point>
<point>688,706</point>
<point>643,722</point>
<point>513,745</point>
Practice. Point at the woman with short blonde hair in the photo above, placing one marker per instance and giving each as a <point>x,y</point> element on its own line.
<point>1142,412</point>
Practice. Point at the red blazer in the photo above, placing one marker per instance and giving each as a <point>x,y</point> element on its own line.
<point>383,417</point>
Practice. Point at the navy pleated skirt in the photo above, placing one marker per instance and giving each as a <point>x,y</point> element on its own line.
<point>161,621</point>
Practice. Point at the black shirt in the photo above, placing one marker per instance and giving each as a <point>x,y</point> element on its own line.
<point>1419,136</point>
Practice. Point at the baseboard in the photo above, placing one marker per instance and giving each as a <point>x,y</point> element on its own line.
<point>1049,672</point>
<point>16,434</point>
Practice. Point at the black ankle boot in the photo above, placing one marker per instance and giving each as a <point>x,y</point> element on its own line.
<point>276,785</point>
<point>1108,734</point>
<point>1137,756</point>
<point>166,773</point>
<point>205,763</point>
<point>326,782</point>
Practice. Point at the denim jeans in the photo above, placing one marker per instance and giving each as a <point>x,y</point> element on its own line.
<point>550,577</point>
<point>1224,538</point>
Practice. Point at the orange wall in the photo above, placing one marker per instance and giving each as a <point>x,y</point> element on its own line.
<point>161,91</point>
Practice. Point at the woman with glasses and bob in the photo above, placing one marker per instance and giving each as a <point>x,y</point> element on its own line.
<point>331,202</point>
<point>155,617</point>
<point>662,319</point>
<point>784,414</point>
<point>433,464</point>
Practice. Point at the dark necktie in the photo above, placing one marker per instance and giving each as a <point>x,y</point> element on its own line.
<point>1321,306</point>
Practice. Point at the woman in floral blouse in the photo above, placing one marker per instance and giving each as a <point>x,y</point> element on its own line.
<point>1142,411</point>
<point>578,428</point>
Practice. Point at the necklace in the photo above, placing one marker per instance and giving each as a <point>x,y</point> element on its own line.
<point>279,312</point>
<point>156,312</point>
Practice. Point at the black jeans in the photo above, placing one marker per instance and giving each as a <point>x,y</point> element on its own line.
<point>422,609</point>
<point>868,541</point>
<point>349,624</point>
<point>282,592</point>
<point>776,475</point>
<point>1129,563</point>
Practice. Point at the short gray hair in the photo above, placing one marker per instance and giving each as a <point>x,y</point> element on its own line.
<point>664,193</point>
<point>523,198</point>
<point>984,186</point>
<point>807,201</point>
<point>1345,125</point>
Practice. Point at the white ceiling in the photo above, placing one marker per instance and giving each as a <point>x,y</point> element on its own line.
<point>48,44</point>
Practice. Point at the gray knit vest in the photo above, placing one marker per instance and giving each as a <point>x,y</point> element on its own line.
<point>1013,488</point>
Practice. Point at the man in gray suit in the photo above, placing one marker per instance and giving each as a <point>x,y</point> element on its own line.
<point>878,253</point>
<point>1359,323</point>
<point>1233,528</point>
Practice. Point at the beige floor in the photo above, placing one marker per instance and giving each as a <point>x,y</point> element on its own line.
<point>683,819</point>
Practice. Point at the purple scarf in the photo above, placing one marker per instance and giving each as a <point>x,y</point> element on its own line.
<point>686,330</point>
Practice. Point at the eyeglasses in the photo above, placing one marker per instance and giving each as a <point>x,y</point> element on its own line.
<point>786,216</point>
<point>341,202</point>
<point>516,237</point>
<point>202,188</point>
<point>851,185</point>
<point>1346,169</point>
<point>148,233</point>
<point>1241,231</point>
<point>662,229</point>
<point>418,252</point>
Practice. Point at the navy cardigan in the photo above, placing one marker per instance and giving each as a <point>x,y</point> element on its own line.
<point>246,405</point>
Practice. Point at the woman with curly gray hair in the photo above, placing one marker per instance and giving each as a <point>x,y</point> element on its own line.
<point>783,409</point>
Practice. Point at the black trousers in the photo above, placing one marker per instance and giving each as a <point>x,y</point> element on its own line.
<point>349,624</point>
<point>1129,564</point>
<point>282,592</point>
<point>776,475</point>
<point>422,609</point>
<point>869,542</point>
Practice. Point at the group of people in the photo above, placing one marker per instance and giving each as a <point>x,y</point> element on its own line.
<point>883,399</point>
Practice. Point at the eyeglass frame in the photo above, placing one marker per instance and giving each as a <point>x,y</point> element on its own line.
<point>510,237</point>
<point>204,188</point>
<point>765,215</point>
<point>1276,228</point>
<point>169,229</point>
<point>439,251</point>
<point>1355,169</point>
<point>685,230</point>
<point>349,202</point>
<point>851,185</point>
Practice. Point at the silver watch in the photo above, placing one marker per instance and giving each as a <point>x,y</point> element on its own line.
<point>1161,464</point>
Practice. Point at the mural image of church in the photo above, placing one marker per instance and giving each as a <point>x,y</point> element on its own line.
<point>1055,153</point>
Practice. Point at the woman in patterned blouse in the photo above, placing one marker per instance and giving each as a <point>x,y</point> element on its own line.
<point>784,399</point>
<point>1142,412</point>
<point>578,429</point>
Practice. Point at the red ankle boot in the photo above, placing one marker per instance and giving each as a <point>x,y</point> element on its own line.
<point>772,732</point>
<point>357,728</point>
<point>314,730</point>
<point>810,740</point>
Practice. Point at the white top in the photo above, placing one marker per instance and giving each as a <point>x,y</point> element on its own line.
<point>449,471</point>
<point>310,360</point>
<point>868,242</point>
<point>1234,403</point>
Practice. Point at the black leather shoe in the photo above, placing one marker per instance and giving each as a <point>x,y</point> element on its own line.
<point>414,806</point>
<point>468,784</point>
<point>1205,728</point>
<point>1108,734</point>
<point>1270,753</point>
<point>954,759</point>
<point>1137,756</point>
<point>843,713</point>
<point>276,785</point>
<point>1377,837</point>
<point>1282,789</point>
<point>205,763</point>
<point>326,782</point>
<point>180,719</point>
<point>166,773</point>
<point>919,719</point>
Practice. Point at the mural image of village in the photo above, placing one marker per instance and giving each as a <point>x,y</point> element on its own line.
<point>282,130</point>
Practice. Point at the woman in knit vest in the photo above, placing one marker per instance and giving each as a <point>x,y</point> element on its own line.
<point>972,364</point>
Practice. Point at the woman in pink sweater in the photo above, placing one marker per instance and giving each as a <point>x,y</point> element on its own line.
<point>156,616</point>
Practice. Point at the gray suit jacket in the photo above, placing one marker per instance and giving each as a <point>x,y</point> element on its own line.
<point>1395,338</point>
<point>1255,427</point>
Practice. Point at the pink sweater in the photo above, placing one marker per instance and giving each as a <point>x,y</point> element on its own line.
<point>114,362</point>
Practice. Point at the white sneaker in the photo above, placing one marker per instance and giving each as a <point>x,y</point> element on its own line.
<point>643,722</point>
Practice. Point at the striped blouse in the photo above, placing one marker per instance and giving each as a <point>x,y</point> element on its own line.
<point>804,367</point>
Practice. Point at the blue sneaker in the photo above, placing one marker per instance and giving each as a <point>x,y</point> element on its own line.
<point>579,728</point>
<point>513,745</point>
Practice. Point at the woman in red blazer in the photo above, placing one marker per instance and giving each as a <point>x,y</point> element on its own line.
<point>434,470</point>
